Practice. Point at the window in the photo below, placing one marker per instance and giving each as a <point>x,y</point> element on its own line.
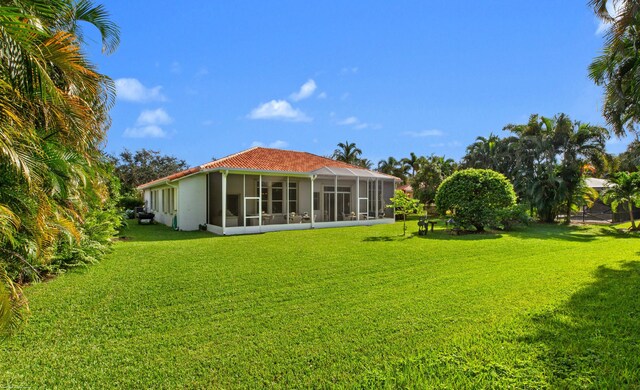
<point>340,189</point>
<point>277,193</point>
<point>154,200</point>
<point>264,194</point>
<point>293,197</point>
<point>172,201</point>
<point>165,201</point>
<point>316,201</point>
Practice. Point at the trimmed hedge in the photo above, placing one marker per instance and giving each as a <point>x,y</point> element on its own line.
<point>476,197</point>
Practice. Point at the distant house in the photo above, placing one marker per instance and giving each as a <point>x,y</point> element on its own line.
<point>264,189</point>
<point>407,189</point>
<point>600,211</point>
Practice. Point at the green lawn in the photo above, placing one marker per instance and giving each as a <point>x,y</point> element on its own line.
<point>547,306</point>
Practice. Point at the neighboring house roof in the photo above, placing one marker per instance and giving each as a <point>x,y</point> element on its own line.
<point>405,188</point>
<point>275,160</point>
<point>597,183</point>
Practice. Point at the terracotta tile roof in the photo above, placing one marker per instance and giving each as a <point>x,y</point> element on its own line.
<point>264,159</point>
<point>267,159</point>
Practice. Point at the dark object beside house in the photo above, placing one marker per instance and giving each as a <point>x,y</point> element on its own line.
<point>423,226</point>
<point>145,218</point>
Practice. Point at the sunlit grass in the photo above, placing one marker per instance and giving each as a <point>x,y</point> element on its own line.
<point>544,306</point>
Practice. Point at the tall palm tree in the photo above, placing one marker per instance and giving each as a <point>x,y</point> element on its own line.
<point>579,144</point>
<point>347,152</point>
<point>618,66</point>
<point>626,12</point>
<point>625,189</point>
<point>388,166</point>
<point>365,163</point>
<point>412,161</point>
<point>53,117</point>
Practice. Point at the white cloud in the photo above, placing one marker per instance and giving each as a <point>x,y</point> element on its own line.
<point>208,122</point>
<point>154,117</point>
<point>176,67</point>
<point>148,125</point>
<point>278,109</point>
<point>424,133</point>
<point>357,124</point>
<point>132,90</point>
<point>349,70</point>
<point>345,96</point>
<point>352,120</point>
<point>306,90</point>
<point>279,144</point>
<point>151,131</point>
<point>202,71</point>
<point>322,95</point>
<point>451,144</point>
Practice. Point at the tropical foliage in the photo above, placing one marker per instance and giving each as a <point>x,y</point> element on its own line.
<point>404,206</point>
<point>394,167</point>
<point>476,198</point>
<point>56,191</point>
<point>546,159</point>
<point>624,190</point>
<point>618,66</point>
<point>430,173</point>
<point>143,166</point>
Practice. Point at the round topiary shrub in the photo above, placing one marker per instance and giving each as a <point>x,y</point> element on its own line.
<point>476,197</point>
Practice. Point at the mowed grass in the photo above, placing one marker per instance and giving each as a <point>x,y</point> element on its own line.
<point>546,306</point>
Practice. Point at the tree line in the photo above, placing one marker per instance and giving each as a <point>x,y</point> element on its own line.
<point>57,207</point>
<point>546,159</point>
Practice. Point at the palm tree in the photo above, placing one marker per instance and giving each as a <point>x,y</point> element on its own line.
<point>53,117</point>
<point>365,163</point>
<point>347,152</point>
<point>625,189</point>
<point>412,161</point>
<point>431,173</point>
<point>617,68</point>
<point>579,144</point>
<point>626,13</point>
<point>388,166</point>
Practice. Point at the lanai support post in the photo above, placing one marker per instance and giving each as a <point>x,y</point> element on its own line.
<point>224,201</point>
<point>313,216</point>
<point>335,199</point>
<point>358,198</point>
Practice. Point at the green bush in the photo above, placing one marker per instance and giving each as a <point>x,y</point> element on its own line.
<point>511,216</point>
<point>476,197</point>
<point>130,202</point>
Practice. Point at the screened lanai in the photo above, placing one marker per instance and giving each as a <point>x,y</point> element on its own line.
<point>248,201</point>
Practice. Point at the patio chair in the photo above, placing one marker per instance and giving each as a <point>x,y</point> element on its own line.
<point>422,226</point>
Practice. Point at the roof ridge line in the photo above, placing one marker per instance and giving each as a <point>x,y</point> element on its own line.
<point>202,166</point>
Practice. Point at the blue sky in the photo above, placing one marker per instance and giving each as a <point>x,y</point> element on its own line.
<point>203,79</point>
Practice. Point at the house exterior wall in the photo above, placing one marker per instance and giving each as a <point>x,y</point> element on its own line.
<point>192,204</point>
<point>197,195</point>
<point>157,201</point>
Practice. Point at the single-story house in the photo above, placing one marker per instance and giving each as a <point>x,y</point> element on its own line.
<point>265,189</point>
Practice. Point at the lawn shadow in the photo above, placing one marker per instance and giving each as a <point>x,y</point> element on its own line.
<point>386,238</point>
<point>593,340</point>
<point>556,232</point>
<point>158,232</point>
<point>612,231</point>
<point>445,235</point>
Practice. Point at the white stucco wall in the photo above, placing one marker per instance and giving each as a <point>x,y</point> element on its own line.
<point>192,204</point>
<point>165,218</point>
